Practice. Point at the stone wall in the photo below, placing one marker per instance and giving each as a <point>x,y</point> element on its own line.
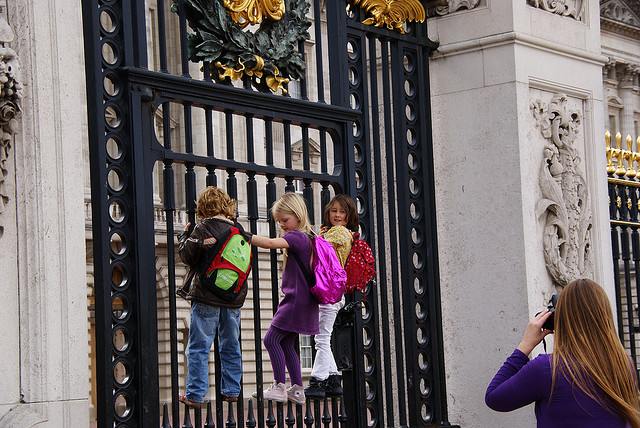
<point>501,80</point>
<point>45,356</point>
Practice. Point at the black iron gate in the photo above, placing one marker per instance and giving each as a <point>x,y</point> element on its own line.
<point>161,128</point>
<point>624,212</point>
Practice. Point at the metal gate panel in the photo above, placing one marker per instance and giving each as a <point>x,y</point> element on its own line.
<point>156,131</point>
<point>389,85</point>
<point>624,195</point>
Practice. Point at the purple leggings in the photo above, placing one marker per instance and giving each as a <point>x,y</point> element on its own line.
<point>280,346</point>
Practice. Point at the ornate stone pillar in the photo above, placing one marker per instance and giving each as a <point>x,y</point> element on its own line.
<point>515,193</point>
<point>10,94</point>
<point>627,90</point>
<point>44,317</point>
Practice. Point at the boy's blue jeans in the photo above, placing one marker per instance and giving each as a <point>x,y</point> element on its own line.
<point>206,320</point>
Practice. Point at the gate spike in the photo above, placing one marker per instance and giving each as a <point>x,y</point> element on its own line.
<point>186,423</point>
<point>209,422</point>
<point>165,416</point>
<point>279,411</point>
<point>342,414</point>
<point>197,417</point>
<point>271,420</point>
<point>231,422</point>
<point>290,420</point>
<point>326,416</point>
<point>251,421</point>
<point>308,417</point>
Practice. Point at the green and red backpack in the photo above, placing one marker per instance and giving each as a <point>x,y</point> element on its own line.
<point>226,264</point>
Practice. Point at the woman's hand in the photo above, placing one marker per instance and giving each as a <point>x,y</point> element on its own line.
<point>534,332</point>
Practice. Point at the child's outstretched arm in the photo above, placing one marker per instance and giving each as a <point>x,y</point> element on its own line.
<point>269,243</point>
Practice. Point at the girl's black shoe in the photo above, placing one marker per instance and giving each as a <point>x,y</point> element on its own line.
<point>316,388</point>
<point>334,386</point>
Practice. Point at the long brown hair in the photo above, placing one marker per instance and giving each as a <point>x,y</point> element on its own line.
<point>345,201</point>
<point>588,352</point>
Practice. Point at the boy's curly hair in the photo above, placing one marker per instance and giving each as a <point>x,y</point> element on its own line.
<point>213,201</point>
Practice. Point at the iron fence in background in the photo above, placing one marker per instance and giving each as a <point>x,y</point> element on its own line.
<point>623,172</point>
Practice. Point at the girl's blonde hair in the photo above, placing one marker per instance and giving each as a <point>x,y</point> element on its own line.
<point>293,204</point>
<point>213,201</point>
<point>588,352</point>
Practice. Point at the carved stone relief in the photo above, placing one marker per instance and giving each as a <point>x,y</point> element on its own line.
<point>572,8</point>
<point>445,7</point>
<point>565,204</point>
<point>617,10</point>
<point>10,95</point>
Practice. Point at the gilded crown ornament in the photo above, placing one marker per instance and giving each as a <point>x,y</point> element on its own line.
<point>246,12</point>
<point>268,56</point>
<point>391,14</point>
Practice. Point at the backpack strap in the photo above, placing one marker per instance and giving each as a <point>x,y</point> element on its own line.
<point>307,275</point>
<point>210,251</point>
<point>240,228</point>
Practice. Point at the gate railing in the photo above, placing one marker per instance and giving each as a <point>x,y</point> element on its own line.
<point>623,172</point>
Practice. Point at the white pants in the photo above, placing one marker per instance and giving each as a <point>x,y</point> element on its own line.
<point>324,364</point>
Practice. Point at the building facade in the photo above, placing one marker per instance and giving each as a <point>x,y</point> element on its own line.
<point>503,72</point>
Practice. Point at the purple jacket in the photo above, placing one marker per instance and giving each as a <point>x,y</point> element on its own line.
<point>520,382</point>
<point>297,311</point>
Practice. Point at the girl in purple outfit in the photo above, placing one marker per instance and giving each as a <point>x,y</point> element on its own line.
<point>587,382</point>
<point>297,312</point>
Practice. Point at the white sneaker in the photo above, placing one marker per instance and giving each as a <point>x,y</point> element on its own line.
<point>295,393</point>
<point>275,392</point>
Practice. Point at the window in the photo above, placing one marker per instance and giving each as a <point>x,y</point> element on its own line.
<point>613,123</point>
<point>293,88</point>
<point>306,360</point>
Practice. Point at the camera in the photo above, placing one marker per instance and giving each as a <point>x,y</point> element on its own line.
<point>548,324</point>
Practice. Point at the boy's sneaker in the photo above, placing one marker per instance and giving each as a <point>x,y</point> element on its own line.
<point>316,388</point>
<point>275,392</point>
<point>334,386</point>
<point>295,393</point>
<point>183,399</point>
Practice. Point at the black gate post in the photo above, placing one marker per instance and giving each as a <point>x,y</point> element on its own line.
<point>348,335</point>
<point>121,195</point>
<point>398,375</point>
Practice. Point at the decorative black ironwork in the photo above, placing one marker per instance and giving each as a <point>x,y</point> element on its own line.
<point>393,165</point>
<point>268,56</point>
<point>159,134</point>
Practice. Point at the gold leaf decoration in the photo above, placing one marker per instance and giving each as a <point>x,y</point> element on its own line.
<point>391,13</point>
<point>273,81</point>
<point>246,12</point>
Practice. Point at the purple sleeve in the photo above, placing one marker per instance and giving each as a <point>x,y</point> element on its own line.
<point>519,382</point>
<point>298,241</point>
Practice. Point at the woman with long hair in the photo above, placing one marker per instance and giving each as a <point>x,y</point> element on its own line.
<point>588,380</point>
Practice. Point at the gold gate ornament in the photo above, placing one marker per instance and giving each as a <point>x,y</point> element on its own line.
<point>246,12</point>
<point>268,57</point>
<point>391,13</point>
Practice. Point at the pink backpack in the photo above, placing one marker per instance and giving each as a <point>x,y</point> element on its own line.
<point>327,284</point>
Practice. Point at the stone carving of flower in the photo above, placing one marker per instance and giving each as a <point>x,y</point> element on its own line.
<point>8,110</point>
